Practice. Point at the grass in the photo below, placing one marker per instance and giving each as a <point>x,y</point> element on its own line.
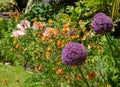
<point>14,76</point>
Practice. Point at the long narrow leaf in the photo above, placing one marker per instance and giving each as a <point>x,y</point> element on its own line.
<point>115,8</point>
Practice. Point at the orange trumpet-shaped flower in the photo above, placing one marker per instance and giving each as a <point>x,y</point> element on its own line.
<point>47,54</point>
<point>59,72</point>
<point>50,22</point>
<point>59,44</point>
<point>91,75</point>
<point>40,67</point>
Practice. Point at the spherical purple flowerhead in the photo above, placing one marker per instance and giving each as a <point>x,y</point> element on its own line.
<point>74,54</point>
<point>102,23</point>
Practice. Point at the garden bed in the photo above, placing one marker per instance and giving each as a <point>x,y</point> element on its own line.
<point>62,45</point>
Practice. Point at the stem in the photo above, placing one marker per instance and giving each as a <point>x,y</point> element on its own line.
<point>83,77</point>
<point>116,63</point>
<point>113,44</point>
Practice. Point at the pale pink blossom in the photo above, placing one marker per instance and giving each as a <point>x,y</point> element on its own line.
<point>18,33</point>
<point>24,24</point>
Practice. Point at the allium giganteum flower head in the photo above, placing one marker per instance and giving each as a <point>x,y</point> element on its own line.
<point>74,54</point>
<point>102,23</point>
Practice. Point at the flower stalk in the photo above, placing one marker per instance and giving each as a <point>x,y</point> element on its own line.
<point>114,56</point>
<point>85,80</point>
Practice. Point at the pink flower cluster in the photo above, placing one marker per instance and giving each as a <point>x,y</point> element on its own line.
<point>22,26</point>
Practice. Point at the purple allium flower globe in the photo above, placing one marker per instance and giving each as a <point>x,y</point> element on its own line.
<point>102,23</point>
<point>74,54</point>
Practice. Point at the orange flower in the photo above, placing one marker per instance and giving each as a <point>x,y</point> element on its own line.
<point>77,36</point>
<point>4,81</point>
<point>83,30</point>
<point>100,49</point>
<point>73,36</point>
<point>68,79</point>
<point>35,70</point>
<point>25,49</point>
<point>91,75</point>
<point>44,38</point>
<point>50,32</point>
<point>97,73</point>
<point>59,72</point>
<point>38,25</point>
<point>68,18</point>
<point>33,53</point>
<point>54,69</point>
<point>66,25</point>
<point>80,22</point>
<point>14,42</point>
<point>17,15</point>
<point>47,54</point>
<point>50,22</point>
<point>40,34</point>
<point>17,46</point>
<point>37,57</point>
<point>48,48</point>
<point>65,30</point>
<point>40,67</point>
<point>11,14</point>
<point>59,44</point>
<point>17,12</point>
<point>58,63</point>
<point>48,59</point>
<point>16,19</point>
<point>91,46</point>
<point>78,77</point>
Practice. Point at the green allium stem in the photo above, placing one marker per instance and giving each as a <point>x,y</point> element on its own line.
<point>114,57</point>
<point>80,70</point>
<point>113,44</point>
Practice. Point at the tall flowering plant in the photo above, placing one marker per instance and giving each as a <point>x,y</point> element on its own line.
<point>103,24</point>
<point>75,54</point>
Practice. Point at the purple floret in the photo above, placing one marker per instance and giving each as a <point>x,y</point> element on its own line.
<point>102,23</point>
<point>74,54</point>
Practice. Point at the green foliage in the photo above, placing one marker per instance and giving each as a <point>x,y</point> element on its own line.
<point>39,10</point>
<point>42,54</point>
<point>115,9</point>
<point>7,26</point>
<point>86,9</point>
<point>6,5</point>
